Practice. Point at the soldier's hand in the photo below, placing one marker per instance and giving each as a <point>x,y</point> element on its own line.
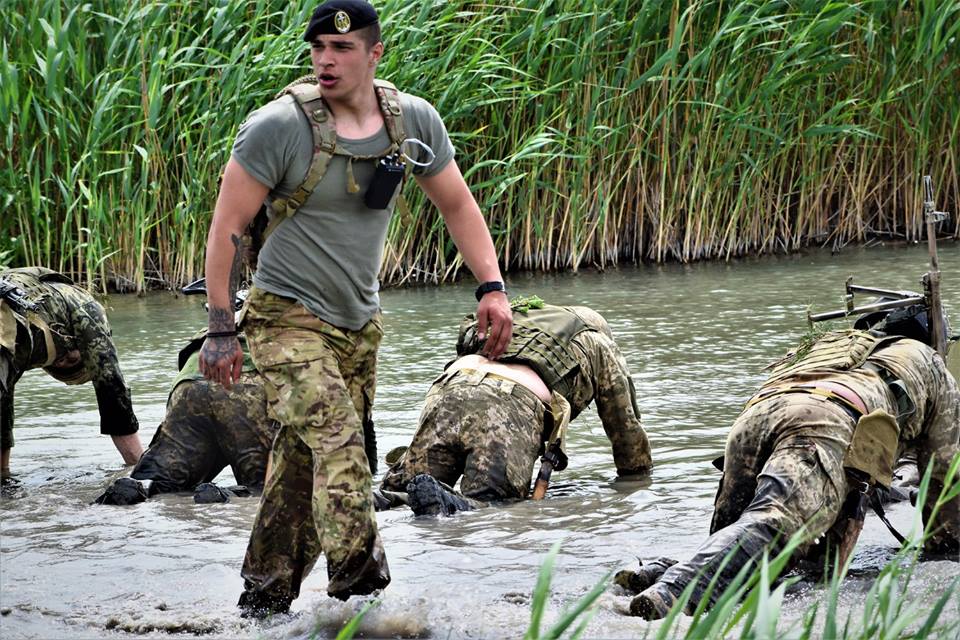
<point>221,360</point>
<point>495,322</point>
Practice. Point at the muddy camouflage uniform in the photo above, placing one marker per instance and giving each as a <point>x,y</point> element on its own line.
<point>320,382</point>
<point>786,455</point>
<point>206,428</point>
<point>490,430</point>
<point>68,319</point>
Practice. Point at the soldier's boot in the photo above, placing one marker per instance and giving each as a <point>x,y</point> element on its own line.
<point>654,603</point>
<point>259,605</point>
<point>362,574</point>
<point>428,498</point>
<point>384,500</point>
<point>643,578</point>
<point>124,491</point>
<point>209,493</point>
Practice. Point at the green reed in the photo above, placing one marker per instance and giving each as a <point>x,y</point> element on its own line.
<point>591,132</point>
<point>750,606</point>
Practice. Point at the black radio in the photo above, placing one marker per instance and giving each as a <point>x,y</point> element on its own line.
<point>386,177</point>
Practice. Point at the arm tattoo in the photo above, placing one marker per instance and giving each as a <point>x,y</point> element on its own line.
<point>235,267</point>
<point>220,319</point>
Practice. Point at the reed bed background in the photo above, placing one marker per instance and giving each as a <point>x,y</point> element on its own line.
<point>592,132</point>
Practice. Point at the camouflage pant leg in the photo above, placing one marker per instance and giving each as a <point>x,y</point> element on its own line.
<point>284,543</point>
<point>302,360</point>
<point>435,448</point>
<point>486,429</point>
<point>184,451</point>
<point>360,375</point>
<point>799,441</point>
<point>244,431</point>
<point>501,434</point>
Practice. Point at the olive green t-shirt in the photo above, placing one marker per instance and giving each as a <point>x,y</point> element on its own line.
<point>327,255</point>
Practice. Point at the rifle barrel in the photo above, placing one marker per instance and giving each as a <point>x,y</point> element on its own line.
<point>889,293</point>
<point>880,306</point>
<point>930,216</point>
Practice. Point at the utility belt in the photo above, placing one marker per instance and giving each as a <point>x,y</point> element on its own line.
<point>840,395</point>
<point>506,386</point>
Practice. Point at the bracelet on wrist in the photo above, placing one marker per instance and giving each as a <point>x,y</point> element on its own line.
<point>222,334</point>
<point>488,287</point>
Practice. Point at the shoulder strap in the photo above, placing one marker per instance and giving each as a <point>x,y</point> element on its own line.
<point>307,94</point>
<point>389,99</point>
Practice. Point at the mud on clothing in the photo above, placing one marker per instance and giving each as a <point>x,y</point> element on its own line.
<point>785,461</point>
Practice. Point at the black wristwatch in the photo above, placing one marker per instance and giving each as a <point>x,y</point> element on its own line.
<point>487,287</point>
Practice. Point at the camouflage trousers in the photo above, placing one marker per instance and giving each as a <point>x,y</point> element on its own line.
<point>319,381</point>
<point>783,469</point>
<point>206,428</point>
<point>480,426</point>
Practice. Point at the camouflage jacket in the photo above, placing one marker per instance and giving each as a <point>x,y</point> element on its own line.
<point>597,374</point>
<point>928,422</point>
<point>67,319</point>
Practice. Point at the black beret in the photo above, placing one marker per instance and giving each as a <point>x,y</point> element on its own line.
<point>340,16</point>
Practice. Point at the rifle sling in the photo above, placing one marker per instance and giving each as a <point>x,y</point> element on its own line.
<point>878,509</point>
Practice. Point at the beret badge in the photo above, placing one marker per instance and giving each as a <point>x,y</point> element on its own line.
<point>341,21</point>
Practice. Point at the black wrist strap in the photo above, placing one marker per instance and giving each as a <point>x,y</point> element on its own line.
<point>487,287</point>
<point>222,334</point>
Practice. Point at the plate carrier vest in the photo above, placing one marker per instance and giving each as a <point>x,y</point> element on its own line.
<point>541,340</point>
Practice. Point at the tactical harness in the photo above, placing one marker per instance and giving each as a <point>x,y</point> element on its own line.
<point>541,340</point>
<point>872,451</point>
<point>20,302</point>
<point>306,92</point>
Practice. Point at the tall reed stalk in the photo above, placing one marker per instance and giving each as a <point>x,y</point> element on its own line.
<point>591,132</point>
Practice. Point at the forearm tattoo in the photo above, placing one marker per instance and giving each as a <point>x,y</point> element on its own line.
<point>235,267</point>
<point>220,318</point>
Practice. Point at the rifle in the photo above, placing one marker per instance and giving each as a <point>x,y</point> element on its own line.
<point>848,526</point>
<point>931,279</point>
<point>547,463</point>
<point>930,298</point>
<point>17,297</point>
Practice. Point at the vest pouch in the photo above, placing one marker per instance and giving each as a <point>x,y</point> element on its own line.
<point>8,328</point>
<point>953,358</point>
<point>873,447</point>
<point>556,423</point>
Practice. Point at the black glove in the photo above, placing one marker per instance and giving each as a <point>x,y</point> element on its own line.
<point>124,491</point>
<point>209,493</point>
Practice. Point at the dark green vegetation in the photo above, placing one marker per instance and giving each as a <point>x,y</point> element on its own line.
<point>592,132</point>
<point>750,607</point>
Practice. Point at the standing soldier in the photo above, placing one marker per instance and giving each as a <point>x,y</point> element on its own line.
<point>823,430</point>
<point>489,420</point>
<point>46,321</point>
<point>312,319</point>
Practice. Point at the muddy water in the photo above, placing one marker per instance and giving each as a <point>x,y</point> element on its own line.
<point>695,337</point>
